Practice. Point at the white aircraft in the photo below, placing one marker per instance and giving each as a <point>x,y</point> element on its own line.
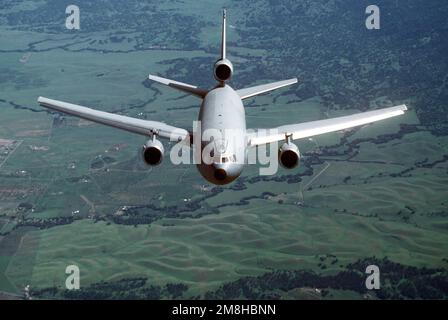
<point>222,109</point>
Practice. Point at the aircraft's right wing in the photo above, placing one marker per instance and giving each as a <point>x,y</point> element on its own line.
<point>314,128</point>
<point>139,126</point>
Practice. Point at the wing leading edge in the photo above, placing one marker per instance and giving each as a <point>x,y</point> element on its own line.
<point>139,126</point>
<point>314,128</point>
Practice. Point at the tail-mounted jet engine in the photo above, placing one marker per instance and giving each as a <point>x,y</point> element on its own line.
<point>152,152</point>
<point>289,155</point>
<point>223,70</point>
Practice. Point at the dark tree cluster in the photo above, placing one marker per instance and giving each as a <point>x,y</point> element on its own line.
<point>398,282</point>
<point>124,289</point>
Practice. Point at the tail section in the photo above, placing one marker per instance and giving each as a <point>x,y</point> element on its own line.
<point>223,69</point>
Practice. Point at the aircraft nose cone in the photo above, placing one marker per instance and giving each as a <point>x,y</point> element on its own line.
<point>220,174</point>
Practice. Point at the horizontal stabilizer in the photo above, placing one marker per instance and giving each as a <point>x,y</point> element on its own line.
<point>253,91</point>
<point>188,88</point>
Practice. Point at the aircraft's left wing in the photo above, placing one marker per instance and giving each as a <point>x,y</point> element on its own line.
<point>314,128</point>
<point>139,126</point>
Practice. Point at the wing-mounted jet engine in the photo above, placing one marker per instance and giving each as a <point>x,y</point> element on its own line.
<point>289,155</point>
<point>152,152</point>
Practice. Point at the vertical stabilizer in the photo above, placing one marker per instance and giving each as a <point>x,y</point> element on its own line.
<point>223,68</point>
<point>223,40</point>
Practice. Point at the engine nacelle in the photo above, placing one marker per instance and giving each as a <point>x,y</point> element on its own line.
<point>152,152</point>
<point>223,70</point>
<point>289,155</point>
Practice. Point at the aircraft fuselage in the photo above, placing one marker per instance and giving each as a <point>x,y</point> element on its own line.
<point>222,115</point>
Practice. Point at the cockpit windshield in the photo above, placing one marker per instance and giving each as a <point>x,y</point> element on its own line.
<point>225,159</point>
